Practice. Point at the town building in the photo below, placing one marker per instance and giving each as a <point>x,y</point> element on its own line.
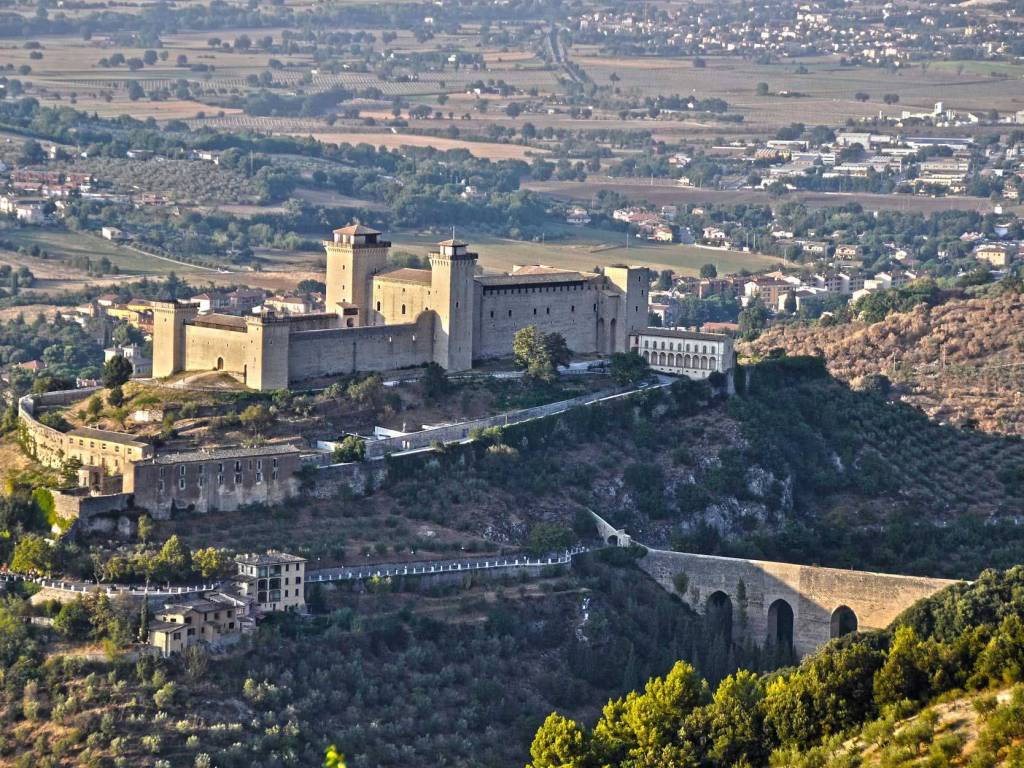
<point>685,353</point>
<point>996,254</point>
<point>379,318</point>
<point>214,619</point>
<point>274,581</point>
<point>213,480</point>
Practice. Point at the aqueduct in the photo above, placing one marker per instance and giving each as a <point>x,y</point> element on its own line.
<point>785,603</point>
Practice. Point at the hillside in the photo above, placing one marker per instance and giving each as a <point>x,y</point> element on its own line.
<point>397,674</point>
<point>845,705</point>
<point>961,362</point>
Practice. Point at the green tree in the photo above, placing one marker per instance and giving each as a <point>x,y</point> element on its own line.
<point>211,562</point>
<point>643,728</point>
<point>73,621</point>
<point>352,448</point>
<point>560,743</point>
<point>628,368</point>
<point>905,673</point>
<point>145,529</point>
<point>256,418</point>
<point>116,371</point>
<point>531,352</point>
<point>549,537</point>
<point>664,281</point>
<point>434,381</point>
<point>115,397</point>
<point>33,555</point>
<point>753,319</point>
<point>709,271</point>
<point>14,631</point>
<point>94,407</point>
<point>174,560</point>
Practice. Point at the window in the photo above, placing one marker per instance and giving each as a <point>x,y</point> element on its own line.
<point>547,310</point>
<point>181,483</point>
<point>378,306</point>
<point>510,313</point>
<point>238,466</point>
<point>220,479</point>
<point>181,470</point>
<point>238,478</point>
<point>492,313</point>
<point>259,478</point>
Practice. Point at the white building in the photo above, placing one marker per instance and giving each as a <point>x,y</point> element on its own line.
<point>684,353</point>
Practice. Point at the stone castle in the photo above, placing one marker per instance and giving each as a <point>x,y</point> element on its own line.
<point>380,318</point>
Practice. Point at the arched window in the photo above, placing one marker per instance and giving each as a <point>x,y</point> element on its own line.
<point>378,306</point>
<point>711,363</point>
<point>403,309</point>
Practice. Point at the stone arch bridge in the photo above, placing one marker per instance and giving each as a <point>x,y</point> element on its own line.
<point>782,603</point>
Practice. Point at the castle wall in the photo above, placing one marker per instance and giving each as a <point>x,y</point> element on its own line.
<point>566,309</point>
<point>312,354</point>
<point>204,346</point>
<point>396,302</point>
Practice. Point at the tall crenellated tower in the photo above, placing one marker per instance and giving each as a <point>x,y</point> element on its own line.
<point>633,286</point>
<point>354,256</point>
<point>451,291</point>
<point>169,318</point>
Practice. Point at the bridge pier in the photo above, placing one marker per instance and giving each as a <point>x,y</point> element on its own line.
<point>780,602</point>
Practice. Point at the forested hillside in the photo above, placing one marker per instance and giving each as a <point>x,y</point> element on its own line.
<point>842,706</point>
<point>961,362</point>
<point>796,467</point>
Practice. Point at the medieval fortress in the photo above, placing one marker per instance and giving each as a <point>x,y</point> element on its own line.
<point>379,318</point>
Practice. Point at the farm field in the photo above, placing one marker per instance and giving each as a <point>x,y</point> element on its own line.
<point>395,140</point>
<point>827,86</point>
<point>54,275</point>
<point>584,249</point>
<point>667,194</point>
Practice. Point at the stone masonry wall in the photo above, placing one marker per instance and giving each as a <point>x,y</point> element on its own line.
<point>812,593</point>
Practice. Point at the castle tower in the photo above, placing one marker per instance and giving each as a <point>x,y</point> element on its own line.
<point>266,365</point>
<point>451,291</point>
<point>354,256</point>
<point>633,286</point>
<point>169,318</point>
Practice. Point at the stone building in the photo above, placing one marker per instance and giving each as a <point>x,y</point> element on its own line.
<point>214,619</point>
<point>274,581</point>
<point>214,480</point>
<point>380,318</point>
<point>686,353</point>
<point>109,452</point>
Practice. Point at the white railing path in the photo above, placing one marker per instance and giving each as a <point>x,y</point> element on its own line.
<point>382,570</point>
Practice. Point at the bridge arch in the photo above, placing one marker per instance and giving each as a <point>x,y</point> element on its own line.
<point>780,624</point>
<point>718,616</point>
<point>844,621</point>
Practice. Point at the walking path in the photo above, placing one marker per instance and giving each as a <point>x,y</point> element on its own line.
<point>379,570</point>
